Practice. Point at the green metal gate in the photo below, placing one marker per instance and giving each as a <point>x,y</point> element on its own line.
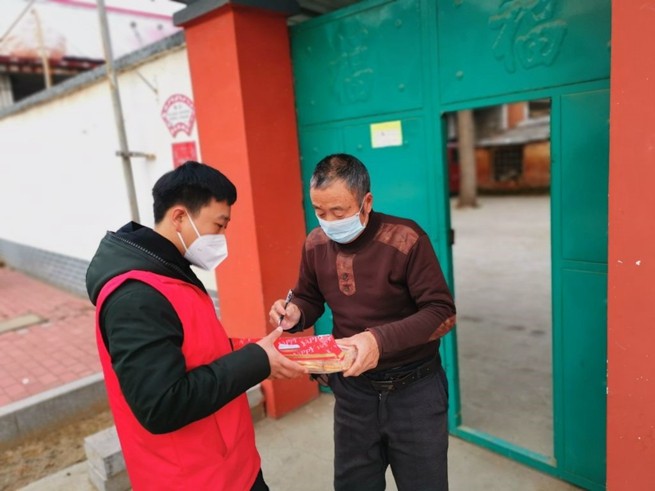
<point>375,80</point>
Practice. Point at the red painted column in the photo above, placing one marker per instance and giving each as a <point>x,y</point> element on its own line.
<point>631,281</point>
<point>243,92</point>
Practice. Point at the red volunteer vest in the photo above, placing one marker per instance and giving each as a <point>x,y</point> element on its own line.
<point>215,453</point>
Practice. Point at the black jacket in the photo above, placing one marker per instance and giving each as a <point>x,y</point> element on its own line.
<point>143,335</point>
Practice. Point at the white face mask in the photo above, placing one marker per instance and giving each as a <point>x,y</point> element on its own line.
<point>207,251</point>
<point>344,230</point>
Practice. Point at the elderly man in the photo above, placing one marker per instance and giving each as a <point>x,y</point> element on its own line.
<point>382,280</point>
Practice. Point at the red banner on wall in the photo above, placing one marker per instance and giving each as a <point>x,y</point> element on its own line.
<point>183,151</point>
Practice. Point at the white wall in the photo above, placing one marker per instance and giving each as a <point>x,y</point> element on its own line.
<point>61,183</point>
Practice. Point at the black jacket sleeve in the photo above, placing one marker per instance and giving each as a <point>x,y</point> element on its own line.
<point>144,337</point>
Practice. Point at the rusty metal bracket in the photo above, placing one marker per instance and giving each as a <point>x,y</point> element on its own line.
<point>147,156</point>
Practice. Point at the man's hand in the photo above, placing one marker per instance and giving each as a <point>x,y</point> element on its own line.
<point>290,315</point>
<point>281,367</point>
<point>368,353</point>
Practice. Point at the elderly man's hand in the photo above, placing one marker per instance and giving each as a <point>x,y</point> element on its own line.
<point>368,353</point>
<point>281,367</point>
<point>290,316</point>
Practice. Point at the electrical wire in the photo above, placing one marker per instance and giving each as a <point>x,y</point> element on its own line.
<point>16,21</point>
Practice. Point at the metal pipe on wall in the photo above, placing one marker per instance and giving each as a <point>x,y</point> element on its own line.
<point>118,110</point>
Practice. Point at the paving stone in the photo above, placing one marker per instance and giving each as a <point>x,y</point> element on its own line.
<point>20,321</point>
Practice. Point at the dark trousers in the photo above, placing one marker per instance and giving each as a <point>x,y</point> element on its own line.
<point>406,429</point>
<point>259,484</point>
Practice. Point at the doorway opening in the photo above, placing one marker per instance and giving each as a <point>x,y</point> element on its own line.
<point>502,271</point>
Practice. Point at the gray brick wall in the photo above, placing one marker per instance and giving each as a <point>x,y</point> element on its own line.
<point>57,269</point>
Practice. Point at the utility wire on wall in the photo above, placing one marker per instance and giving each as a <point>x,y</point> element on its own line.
<point>43,52</point>
<point>16,21</point>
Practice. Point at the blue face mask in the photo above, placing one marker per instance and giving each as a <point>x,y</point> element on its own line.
<point>344,230</point>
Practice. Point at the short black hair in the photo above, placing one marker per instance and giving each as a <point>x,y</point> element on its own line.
<point>193,185</point>
<point>345,167</point>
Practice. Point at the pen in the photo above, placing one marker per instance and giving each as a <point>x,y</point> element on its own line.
<point>286,304</point>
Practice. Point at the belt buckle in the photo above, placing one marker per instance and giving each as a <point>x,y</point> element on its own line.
<point>383,385</point>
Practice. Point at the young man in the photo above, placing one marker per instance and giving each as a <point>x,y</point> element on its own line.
<point>381,278</point>
<point>175,387</point>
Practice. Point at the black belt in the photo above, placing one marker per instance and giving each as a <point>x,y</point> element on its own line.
<point>397,382</point>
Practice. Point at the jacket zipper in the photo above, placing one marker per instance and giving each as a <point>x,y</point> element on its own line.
<point>147,252</point>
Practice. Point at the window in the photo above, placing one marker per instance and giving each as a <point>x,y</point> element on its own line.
<point>508,163</point>
<point>538,108</point>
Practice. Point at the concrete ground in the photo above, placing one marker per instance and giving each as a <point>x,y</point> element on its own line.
<point>502,279</point>
<point>297,452</point>
<point>503,295</point>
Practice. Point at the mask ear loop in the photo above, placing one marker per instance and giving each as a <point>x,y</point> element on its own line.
<point>361,208</point>
<point>194,229</point>
<point>193,224</point>
<point>182,240</point>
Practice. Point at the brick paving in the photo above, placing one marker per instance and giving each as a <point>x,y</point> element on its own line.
<point>49,354</point>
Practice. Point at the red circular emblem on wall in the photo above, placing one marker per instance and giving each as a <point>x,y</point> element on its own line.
<point>179,114</point>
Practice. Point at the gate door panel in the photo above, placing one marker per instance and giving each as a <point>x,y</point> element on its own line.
<point>376,78</point>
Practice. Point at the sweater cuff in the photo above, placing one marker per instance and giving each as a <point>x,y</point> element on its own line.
<point>378,338</point>
<point>300,326</point>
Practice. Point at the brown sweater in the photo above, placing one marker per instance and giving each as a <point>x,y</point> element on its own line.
<point>387,281</point>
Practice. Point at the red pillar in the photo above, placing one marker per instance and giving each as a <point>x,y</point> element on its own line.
<point>631,280</point>
<point>243,92</point>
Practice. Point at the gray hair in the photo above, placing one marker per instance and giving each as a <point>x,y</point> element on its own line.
<point>345,167</point>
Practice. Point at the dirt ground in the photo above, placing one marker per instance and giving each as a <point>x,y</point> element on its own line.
<point>45,453</point>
